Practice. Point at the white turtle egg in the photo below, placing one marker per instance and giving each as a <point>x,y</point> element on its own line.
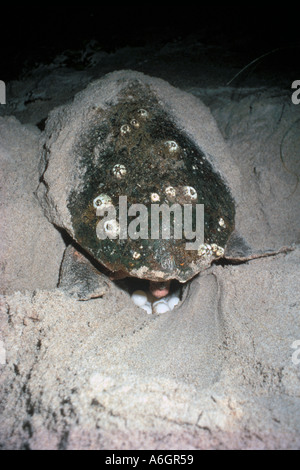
<point>173,301</point>
<point>139,298</point>
<point>147,307</point>
<point>160,307</point>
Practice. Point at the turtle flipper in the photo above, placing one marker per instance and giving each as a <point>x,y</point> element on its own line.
<point>79,278</point>
<point>237,249</point>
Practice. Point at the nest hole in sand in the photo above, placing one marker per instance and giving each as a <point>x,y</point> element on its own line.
<point>140,294</point>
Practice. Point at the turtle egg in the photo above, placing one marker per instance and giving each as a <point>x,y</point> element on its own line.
<point>160,306</point>
<point>102,200</point>
<point>173,301</point>
<point>190,192</point>
<point>139,298</point>
<point>147,307</point>
<point>119,171</point>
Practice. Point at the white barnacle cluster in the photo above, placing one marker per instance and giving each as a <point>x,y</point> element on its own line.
<point>134,123</point>
<point>102,201</point>
<point>119,171</point>
<point>172,146</point>
<point>190,193</point>
<point>207,250</point>
<point>143,113</point>
<point>155,197</point>
<point>111,228</point>
<point>125,129</point>
<point>170,192</point>
<point>151,305</point>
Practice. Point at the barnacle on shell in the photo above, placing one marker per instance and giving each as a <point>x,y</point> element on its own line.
<point>119,171</point>
<point>190,193</point>
<point>102,200</point>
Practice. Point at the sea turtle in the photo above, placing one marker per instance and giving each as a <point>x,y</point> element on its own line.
<point>125,137</point>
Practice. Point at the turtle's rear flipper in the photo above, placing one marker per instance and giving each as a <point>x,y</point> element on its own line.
<point>79,278</point>
<point>237,249</point>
